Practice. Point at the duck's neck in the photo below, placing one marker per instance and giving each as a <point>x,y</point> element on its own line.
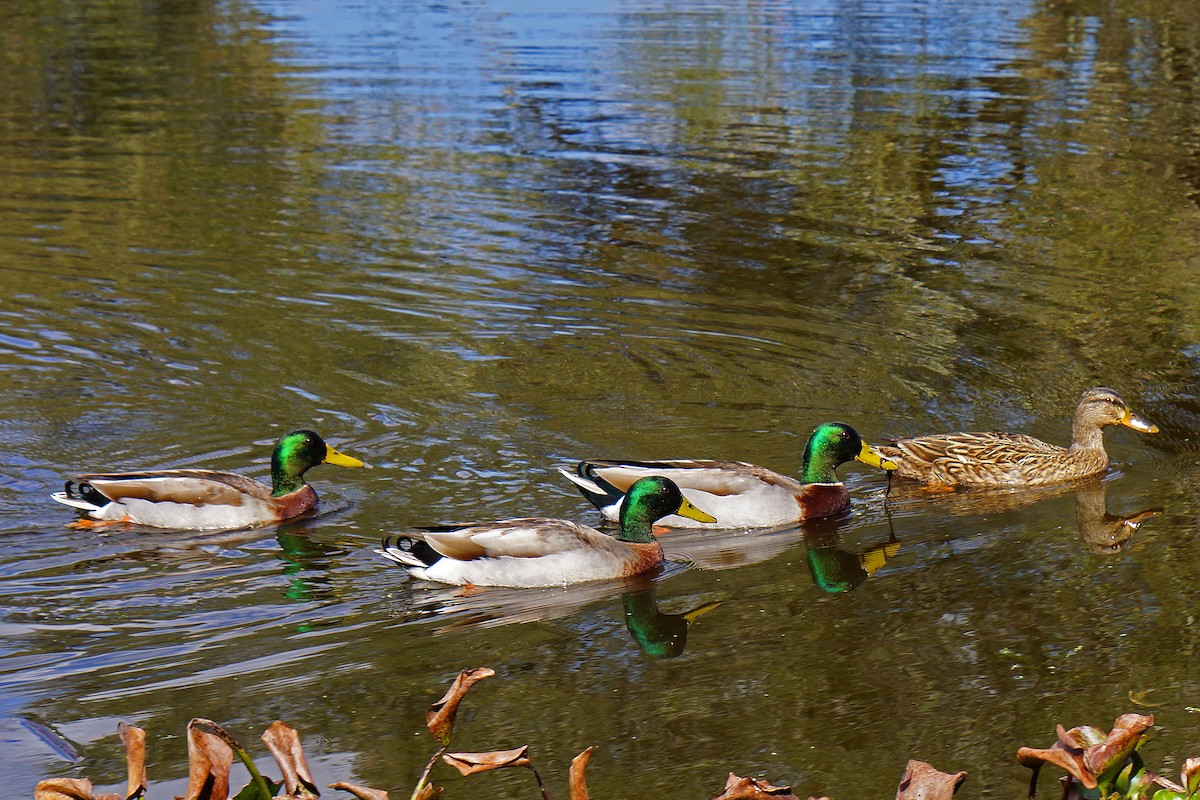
<point>637,525</point>
<point>1086,435</point>
<point>817,467</point>
<point>284,480</point>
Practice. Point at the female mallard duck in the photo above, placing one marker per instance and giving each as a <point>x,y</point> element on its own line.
<point>545,552</point>
<point>741,495</point>
<point>200,499</point>
<point>1014,459</point>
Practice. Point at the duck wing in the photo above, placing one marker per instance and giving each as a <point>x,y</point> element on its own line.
<point>195,487</point>
<point>719,478</point>
<point>530,537</point>
<point>990,447</point>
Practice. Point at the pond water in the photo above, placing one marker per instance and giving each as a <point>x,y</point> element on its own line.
<point>469,241</point>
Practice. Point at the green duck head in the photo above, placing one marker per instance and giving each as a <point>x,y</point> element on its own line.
<point>298,452</point>
<point>651,499</point>
<point>833,444</point>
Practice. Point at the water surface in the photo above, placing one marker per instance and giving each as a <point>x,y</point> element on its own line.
<point>468,242</point>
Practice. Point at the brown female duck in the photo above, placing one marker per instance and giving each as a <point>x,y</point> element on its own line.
<point>1014,459</point>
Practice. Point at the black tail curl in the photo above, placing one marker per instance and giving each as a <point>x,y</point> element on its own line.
<point>417,548</point>
<point>82,490</point>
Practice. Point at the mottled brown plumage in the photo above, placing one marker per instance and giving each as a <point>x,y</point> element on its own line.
<point>1015,459</point>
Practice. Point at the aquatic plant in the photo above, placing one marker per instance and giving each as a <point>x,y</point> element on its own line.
<point>1107,765</point>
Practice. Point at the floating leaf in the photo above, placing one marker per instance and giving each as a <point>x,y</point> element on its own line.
<point>753,789</point>
<point>284,743</point>
<point>361,792</point>
<point>578,767</point>
<point>69,789</point>
<point>209,760</point>
<point>923,781</point>
<point>134,739</point>
<point>470,763</point>
<point>440,717</point>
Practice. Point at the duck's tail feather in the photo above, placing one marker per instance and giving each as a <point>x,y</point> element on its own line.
<point>408,551</point>
<point>599,492</point>
<point>80,495</point>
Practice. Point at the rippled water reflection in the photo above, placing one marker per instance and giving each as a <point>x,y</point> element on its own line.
<point>469,242</point>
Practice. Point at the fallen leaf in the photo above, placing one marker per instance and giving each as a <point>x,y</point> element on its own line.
<point>134,739</point>
<point>923,781</point>
<point>1086,752</point>
<point>1121,741</point>
<point>1190,775</point>
<point>753,789</point>
<point>470,763</point>
<point>1139,698</point>
<point>428,792</point>
<point>68,789</point>
<point>209,760</point>
<point>440,717</point>
<point>361,792</point>
<point>578,767</point>
<point>284,743</point>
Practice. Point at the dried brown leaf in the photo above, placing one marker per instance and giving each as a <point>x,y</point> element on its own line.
<point>923,781</point>
<point>361,792</point>
<point>284,743</point>
<point>440,716</point>
<point>1119,744</point>
<point>428,792</point>
<point>578,767</point>
<point>470,763</point>
<point>209,760</point>
<point>753,789</point>
<point>1057,754</point>
<point>1190,774</point>
<point>134,739</point>
<point>68,789</point>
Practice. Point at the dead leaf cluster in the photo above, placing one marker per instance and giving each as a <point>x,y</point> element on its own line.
<point>1097,764</point>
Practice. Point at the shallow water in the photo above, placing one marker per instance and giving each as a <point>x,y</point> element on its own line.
<point>468,242</point>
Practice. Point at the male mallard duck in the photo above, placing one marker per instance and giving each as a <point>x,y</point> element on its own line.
<point>545,552</point>
<point>1014,459</point>
<point>741,495</point>
<point>200,499</point>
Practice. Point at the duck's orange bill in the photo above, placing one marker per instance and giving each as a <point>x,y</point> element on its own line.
<point>1132,420</point>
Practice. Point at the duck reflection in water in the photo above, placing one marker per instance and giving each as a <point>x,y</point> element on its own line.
<point>1100,531</point>
<point>835,569</point>
<point>659,635</point>
<point>656,633</point>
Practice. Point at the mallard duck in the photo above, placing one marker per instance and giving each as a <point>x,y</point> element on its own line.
<point>200,499</point>
<point>740,495</point>
<point>1014,459</point>
<point>545,552</point>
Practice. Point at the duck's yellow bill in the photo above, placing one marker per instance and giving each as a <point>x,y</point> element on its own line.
<point>686,509</point>
<point>340,459</point>
<point>876,557</point>
<point>1132,420</point>
<point>869,455</point>
<point>696,613</point>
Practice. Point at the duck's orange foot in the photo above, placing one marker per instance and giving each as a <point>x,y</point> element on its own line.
<point>85,524</point>
<point>469,590</point>
<point>659,530</point>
